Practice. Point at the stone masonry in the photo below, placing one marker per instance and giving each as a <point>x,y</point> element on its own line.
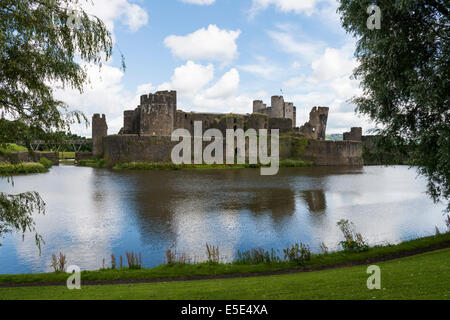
<point>355,134</point>
<point>279,109</point>
<point>317,125</point>
<point>99,130</point>
<point>157,115</point>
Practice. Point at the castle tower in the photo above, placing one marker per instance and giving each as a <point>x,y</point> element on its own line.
<point>259,106</point>
<point>277,107</point>
<point>157,113</point>
<point>355,134</point>
<point>318,118</point>
<point>99,130</point>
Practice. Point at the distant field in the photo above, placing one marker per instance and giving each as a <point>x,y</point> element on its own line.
<point>66,155</point>
<point>425,276</point>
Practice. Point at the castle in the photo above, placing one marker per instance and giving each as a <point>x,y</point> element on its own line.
<point>157,115</point>
<point>147,130</point>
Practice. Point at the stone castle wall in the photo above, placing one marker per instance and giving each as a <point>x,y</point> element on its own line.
<point>134,148</point>
<point>99,131</point>
<point>25,156</point>
<point>279,109</point>
<point>316,127</point>
<point>355,134</point>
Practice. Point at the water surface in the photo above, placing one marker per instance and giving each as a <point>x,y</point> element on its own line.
<point>92,213</point>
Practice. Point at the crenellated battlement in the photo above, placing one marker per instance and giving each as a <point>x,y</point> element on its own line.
<point>278,109</point>
<point>160,97</point>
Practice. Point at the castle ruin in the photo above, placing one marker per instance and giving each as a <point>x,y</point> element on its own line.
<point>157,115</point>
<point>147,130</point>
<point>99,130</point>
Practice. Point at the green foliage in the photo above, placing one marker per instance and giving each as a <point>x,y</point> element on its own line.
<point>96,163</point>
<point>213,254</point>
<point>289,163</point>
<point>59,262</point>
<point>177,270</point>
<point>258,256</point>
<point>8,169</point>
<point>38,49</point>
<point>66,155</point>
<point>403,70</point>
<point>354,241</point>
<point>419,277</point>
<point>16,213</point>
<point>46,163</point>
<point>384,150</point>
<point>298,254</point>
<point>12,147</point>
<point>134,260</point>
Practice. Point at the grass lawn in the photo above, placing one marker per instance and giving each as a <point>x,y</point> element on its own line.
<point>177,270</point>
<point>424,276</point>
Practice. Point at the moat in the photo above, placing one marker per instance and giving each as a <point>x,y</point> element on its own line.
<point>92,213</point>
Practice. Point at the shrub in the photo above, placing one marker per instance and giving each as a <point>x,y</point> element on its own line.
<point>354,241</point>
<point>21,168</point>
<point>46,163</point>
<point>12,147</point>
<point>134,260</point>
<point>99,163</point>
<point>258,256</point>
<point>170,256</point>
<point>323,249</point>
<point>298,253</point>
<point>213,254</point>
<point>59,262</point>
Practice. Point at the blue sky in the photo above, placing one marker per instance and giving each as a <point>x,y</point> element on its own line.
<point>220,55</point>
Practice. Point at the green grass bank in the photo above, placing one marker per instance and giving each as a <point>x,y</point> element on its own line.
<point>420,277</point>
<point>7,169</point>
<point>170,166</point>
<point>182,271</point>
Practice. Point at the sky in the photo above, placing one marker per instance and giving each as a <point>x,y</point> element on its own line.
<point>220,55</point>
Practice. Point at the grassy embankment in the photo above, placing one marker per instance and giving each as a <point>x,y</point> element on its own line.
<point>423,276</point>
<point>12,147</point>
<point>8,169</point>
<point>170,166</point>
<point>176,270</point>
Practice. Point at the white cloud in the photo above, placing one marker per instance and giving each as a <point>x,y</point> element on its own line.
<point>200,2</point>
<point>262,68</point>
<point>225,87</point>
<point>333,63</point>
<point>189,79</point>
<point>104,94</point>
<point>212,43</point>
<point>287,40</point>
<point>294,82</point>
<point>111,11</point>
<point>197,91</point>
<point>297,6</point>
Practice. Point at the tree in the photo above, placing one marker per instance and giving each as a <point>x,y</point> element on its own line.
<point>42,43</point>
<point>404,73</point>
